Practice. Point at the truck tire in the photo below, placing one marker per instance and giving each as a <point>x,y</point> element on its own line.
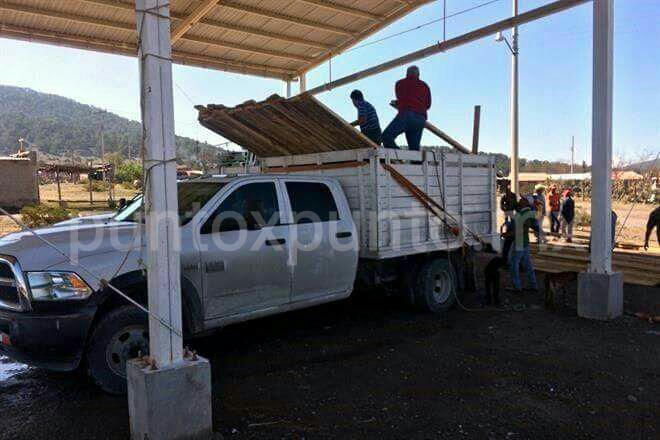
<point>436,286</point>
<point>120,335</point>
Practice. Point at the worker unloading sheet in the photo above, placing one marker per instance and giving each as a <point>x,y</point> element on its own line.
<point>367,117</point>
<point>413,100</point>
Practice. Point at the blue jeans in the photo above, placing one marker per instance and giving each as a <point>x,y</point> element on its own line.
<point>522,256</point>
<point>410,123</point>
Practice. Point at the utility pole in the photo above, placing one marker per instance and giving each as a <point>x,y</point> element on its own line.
<point>172,397</point>
<point>514,104</point>
<point>572,154</point>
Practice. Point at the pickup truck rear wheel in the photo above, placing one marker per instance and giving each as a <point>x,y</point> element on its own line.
<point>436,286</point>
<point>119,336</point>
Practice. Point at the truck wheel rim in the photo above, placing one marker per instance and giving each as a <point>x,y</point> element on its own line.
<point>126,344</point>
<point>442,287</point>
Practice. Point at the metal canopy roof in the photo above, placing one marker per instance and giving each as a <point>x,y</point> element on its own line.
<point>272,38</point>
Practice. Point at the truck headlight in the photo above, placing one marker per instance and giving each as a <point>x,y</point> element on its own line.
<point>52,286</point>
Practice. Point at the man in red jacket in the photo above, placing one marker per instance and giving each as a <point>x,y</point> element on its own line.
<point>413,99</point>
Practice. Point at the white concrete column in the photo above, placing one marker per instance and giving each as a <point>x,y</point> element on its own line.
<point>600,291</point>
<point>288,88</point>
<point>161,205</point>
<point>515,154</point>
<point>601,138</point>
<point>303,83</point>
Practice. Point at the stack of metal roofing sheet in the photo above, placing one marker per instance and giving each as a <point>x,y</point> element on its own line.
<point>279,126</point>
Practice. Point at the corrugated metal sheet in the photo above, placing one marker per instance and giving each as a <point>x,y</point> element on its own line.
<point>279,127</point>
<point>275,38</point>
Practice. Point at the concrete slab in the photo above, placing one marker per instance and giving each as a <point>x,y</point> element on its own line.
<point>600,296</point>
<point>171,403</point>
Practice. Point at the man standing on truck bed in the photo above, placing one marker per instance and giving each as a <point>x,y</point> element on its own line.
<point>367,117</point>
<point>413,99</point>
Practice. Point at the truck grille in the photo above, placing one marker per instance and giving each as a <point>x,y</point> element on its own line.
<point>10,286</point>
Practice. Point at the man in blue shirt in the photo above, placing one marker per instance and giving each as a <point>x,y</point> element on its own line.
<point>367,117</point>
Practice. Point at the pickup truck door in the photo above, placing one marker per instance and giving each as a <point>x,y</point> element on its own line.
<point>244,250</point>
<point>323,239</point>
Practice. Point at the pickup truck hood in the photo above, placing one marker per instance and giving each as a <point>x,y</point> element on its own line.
<point>98,218</point>
<point>77,240</point>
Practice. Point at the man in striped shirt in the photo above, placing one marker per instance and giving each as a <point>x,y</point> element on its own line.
<point>367,117</point>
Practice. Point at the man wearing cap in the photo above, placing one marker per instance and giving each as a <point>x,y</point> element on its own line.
<point>567,216</point>
<point>367,117</point>
<point>555,206</point>
<point>539,204</point>
<point>413,100</point>
<point>523,222</point>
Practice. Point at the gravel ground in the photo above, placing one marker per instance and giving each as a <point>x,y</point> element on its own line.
<point>368,367</point>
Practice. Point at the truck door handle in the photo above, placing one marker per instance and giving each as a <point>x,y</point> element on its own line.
<point>275,242</point>
<point>343,234</point>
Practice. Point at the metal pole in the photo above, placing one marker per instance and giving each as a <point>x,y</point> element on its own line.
<point>475,129</point>
<point>572,154</point>
<point>601,139</point>
<point>515,158</point>
<point>303,83</point>
<point>161,205</point>
<point>102,151</point>
<point>444,20</point>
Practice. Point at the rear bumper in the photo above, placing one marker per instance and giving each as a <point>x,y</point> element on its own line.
<point>51,341</point>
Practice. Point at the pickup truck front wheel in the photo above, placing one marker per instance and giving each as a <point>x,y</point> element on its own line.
<point>120,335</point>
<point>436,286</point>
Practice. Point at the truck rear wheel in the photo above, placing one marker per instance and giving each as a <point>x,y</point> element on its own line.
<point>436,286</point>
<point>119,336</point>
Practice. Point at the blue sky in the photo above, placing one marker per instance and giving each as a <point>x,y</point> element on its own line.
<point>555,79</point>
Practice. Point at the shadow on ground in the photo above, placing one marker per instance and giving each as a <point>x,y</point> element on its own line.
<point>369,367</point>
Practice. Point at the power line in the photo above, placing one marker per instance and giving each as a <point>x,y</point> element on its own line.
<point>428,23</point>
<point>184,93</point>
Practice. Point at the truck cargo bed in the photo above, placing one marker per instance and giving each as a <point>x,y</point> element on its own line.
<point>391,221</point>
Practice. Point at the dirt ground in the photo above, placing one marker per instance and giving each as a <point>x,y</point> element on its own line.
<point>70,192</point>
<point>370,368</point>
<point>630,230</point>
<point>76,191</point>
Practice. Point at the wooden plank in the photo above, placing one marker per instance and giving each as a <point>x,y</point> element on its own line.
<point>327,166</point>
<point>444,136</point>
<point>475,129</point>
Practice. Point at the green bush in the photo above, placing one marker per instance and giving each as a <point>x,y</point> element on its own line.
<point>582,218</point>
<point>129,185</point>
<point>128,172</point>
<point>42,215</point>
<point>100,186</point>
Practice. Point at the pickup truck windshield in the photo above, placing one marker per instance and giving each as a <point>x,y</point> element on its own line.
<point>192,197</point>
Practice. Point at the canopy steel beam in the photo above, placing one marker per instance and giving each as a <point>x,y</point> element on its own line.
<point>526,17</point>
<point>286,18</point>
<point>114,47</point>
<point>222,25</point>
<point>343,9</point>
<point>203,8</point>
<point>368,30</point>
<point>130,28</point>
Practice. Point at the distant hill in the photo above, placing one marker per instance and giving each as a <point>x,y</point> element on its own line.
<point>59,125</point>
<point>643,167</point>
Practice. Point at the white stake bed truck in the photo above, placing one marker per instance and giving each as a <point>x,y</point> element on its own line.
<point>301,233</point>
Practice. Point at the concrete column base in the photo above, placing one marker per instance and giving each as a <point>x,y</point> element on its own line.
<point>600,296</point>
<point>170,403</point>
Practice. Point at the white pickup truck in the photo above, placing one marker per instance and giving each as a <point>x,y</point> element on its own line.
<point>303,232</point>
